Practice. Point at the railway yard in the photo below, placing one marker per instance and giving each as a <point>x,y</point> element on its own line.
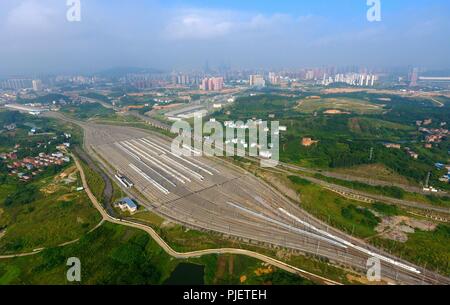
<point>213,195</point>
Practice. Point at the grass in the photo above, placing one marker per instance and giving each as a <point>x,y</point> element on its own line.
<point>149,217</point>
<point>375,172</point>
<point>344,104</point>
<point>94,180</point>
<point>388,210</point>
<point>428,249</point>
<point>372,123</point>
<point>115,254</point>
<point>89,111</point>
<point>117,192</point>
<point>236,269</point>
<point>389,191</point>
<point>342,213</point>
<point>183,240</point>
<point>57,214</point>
<point>118,118</point>
<point>110,255</point>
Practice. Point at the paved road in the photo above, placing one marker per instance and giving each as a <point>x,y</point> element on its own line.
<point>373,182</point>
<point>150,121</point>
<point>173,253</point>
<point>381,198</point>
<point>296,171</point>
<point>232,202</point>
<point>108,191</point>
<point>194,254</point>
<point>37,251</point>
<point>226,201</point>
<point>350,178</point>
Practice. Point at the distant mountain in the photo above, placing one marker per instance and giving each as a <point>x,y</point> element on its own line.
<point>122,71</point>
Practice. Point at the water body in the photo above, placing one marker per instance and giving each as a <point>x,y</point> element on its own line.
<point>187,274</point>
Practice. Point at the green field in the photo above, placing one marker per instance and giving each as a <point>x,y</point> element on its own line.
<point>430,249</point>
<point>88,111</point>
<point>118,255</point>
<point>48,210</point>
<point>182,239</point>
<point>358,106</point>
<point>389,191</point>
<point>345,141</point>
<point>94,180</point>
<point>44,213</point>
<point>46,129</point>
<point>347,215</point>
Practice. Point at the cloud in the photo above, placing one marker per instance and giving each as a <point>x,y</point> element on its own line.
<point>354,37</point>
<point>32,15</point>
<point>269,22</point>
<point>203,24</point>
<point>154,34</point>
<point>199,24</point>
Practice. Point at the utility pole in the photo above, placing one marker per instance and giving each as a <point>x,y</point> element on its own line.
<point>371,154</point>
<point>427,181</point>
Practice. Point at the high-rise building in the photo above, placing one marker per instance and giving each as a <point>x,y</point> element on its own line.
<point>183,79</point>
<point>217,83</point>
<point>204,84</point>
<point>212,84</point>
<point>16,84</point>
<point>353,79</point>
<point>361,80</point>
<point>309,75</point>
<point>274,79</point>
<point>257,81</point>
<point>414,77</point>
<point>37,84</point>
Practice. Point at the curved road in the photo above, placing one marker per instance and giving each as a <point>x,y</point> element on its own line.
<point>172,252</point>
<point>392,271</point>
<point>194,254</point>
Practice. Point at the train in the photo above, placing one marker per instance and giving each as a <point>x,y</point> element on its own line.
<point>124,180</point>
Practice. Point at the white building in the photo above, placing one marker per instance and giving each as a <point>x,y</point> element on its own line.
<point>37,85</point>
<point>257,81</point>
<point>126,204</point>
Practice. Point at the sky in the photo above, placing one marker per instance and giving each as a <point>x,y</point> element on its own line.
<point>37,38</point>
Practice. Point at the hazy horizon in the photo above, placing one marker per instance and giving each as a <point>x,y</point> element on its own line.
<point>252,34</point>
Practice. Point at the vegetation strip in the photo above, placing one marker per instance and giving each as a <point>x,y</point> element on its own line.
<point>195,254</point>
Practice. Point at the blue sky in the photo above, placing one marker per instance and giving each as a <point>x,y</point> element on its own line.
<point>243,33</point>
<point>329,7</point>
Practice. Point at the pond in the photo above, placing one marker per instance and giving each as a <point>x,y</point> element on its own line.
<point>187,274</point>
